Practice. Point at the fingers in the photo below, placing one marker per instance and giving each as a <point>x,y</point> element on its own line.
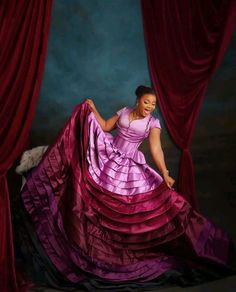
<point>170,184</point>
<point>89,102</point>
<point>91,105</point>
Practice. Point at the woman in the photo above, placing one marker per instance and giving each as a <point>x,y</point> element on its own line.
<point>140,117</point>
<point>104,219</point>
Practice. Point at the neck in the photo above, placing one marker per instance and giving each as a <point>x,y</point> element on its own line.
<point>136,114</point>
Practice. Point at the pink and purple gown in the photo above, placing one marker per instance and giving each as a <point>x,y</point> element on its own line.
<point>104,218</point>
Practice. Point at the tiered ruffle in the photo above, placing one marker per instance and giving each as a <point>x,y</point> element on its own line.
<point>122,172</point>
<point>89,231</point>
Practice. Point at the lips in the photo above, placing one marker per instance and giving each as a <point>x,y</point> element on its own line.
<point>147,112</point>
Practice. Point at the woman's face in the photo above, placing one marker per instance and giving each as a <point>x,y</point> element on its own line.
<point>146,104</point>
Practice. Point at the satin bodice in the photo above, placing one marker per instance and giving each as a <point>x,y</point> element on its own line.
<point>130,134</point>
<point>98,217</point>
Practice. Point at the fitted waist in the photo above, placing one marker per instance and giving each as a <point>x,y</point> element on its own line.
<point>125,145</point>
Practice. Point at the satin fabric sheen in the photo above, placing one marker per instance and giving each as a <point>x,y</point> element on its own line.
<point>94,224</point>
<point>116,164</point>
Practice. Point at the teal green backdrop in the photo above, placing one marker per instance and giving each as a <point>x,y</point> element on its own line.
<point>96,49</point>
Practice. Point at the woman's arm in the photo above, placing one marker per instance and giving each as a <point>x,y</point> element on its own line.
<point>106,125</point>
<point>158,155</point>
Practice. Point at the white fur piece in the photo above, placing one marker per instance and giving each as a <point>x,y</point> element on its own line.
<point>30,158</point>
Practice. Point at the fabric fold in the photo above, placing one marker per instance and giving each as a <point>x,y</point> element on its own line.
<point>90,232</point>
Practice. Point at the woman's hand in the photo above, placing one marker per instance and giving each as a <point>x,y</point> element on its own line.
<point>169,180</point>
<point>91,104</point>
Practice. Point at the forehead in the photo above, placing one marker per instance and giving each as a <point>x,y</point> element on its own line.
<point>149,97</point>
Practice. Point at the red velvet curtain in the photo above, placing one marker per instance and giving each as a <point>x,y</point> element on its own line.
<point>185,41</point>
<point>24,27</point>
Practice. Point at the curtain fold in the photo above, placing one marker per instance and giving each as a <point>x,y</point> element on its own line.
<point>185,42</point>
<point>24,28</point>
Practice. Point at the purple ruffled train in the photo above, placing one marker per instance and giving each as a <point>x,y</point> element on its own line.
<point>99,211</point>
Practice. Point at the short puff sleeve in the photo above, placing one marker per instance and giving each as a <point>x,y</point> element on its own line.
<point>155,123</point>
<point>119,112</point>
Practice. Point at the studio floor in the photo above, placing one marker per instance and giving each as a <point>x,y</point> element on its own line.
<point>225,285</point>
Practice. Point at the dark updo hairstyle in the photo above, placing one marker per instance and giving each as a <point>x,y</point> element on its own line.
<point>141,90</point>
